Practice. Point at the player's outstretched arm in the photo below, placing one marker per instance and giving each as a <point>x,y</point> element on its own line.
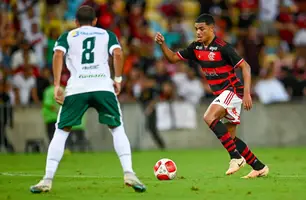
<point>170,55</point>
<point>246,72</point>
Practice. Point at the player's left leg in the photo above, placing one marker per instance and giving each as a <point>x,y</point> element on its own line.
<point>109,111</point>
<point>70,114</point>
<point>259,169</point>
<point>215,112</point>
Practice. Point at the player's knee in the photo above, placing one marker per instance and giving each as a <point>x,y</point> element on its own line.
<point>67,129</point>
<point>112,127</point>
<point>209,118</point>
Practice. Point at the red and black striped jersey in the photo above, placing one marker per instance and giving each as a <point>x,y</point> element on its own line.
<point>218,62</point>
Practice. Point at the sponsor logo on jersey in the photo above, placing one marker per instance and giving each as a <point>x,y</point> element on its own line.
<point>92,76</point>
<point>90,33</point>
<point>213,48</point>
<point>210,73</point>
<point>75,33</point>
<point>90,67</point>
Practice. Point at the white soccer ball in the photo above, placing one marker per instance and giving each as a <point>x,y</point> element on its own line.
<point>165,169</point>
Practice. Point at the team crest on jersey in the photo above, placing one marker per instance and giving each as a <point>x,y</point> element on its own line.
<point>75,34</point>
<point>211,56</point>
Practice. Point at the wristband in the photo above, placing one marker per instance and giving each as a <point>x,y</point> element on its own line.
<point>118,79</point>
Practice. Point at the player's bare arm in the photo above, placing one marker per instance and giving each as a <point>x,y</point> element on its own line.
<point>246,72</point>
<point>168,53</point>
<point>118,65</point>
<point>57,70</point>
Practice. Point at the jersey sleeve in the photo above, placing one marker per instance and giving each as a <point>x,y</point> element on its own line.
<point>62,43</point>
<point>187,53</point>
<point>231,56</point>
<point>113,42</point>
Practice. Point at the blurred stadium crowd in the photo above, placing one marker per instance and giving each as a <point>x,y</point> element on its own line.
<point>269,34</point>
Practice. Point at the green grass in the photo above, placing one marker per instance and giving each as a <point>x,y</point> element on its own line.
<point>200,176</point>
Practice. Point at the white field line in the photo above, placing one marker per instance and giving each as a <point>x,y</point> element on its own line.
<point>24,174</point>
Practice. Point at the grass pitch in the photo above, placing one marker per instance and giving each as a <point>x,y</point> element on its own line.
<point>92,176</point>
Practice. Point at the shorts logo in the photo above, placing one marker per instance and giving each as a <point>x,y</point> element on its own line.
<point>211,56</point>
<point>234,111</point>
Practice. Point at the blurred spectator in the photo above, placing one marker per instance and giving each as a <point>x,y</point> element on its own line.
<point>268,11</point>
<point>129,4</point>
<point>27,64</point>
<point>25,87</point>
<point>161,74</point>
<point>135,20</point>
<point>300,36</point>
<point>148,95</point>
<point>5,59</point>
<point>28,15</point>
<point>72,7</point>
<point>253,47</point>
<point>283,59</point>
<point>168,91</point>
<point>191,88</point>
<point>38,42</point>
<point>6,112</point>
<point>247,16</point>
<point>286,23</point>
<point>19,55</point>
<point>269,89</point>
<point>43,81</point>
<point>53,36</point>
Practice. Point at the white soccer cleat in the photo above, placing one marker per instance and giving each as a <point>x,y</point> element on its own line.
<point>235,165</point>
<point>130,179</point>
<point>258,173</point>
<point>43,186</point>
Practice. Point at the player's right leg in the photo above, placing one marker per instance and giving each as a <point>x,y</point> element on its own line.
<point>54,156</point>
<point>215,112</point>
<point>70,114</point>
<point>109,111</point>
<point>259,169</point>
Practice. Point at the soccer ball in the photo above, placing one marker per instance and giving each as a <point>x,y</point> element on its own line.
<point>165,169</point>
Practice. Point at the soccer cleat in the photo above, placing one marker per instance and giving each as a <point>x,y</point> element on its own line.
<point>235,165</point>
<point>43,186</point>
<point>258,173</point>
<point>130,179</point>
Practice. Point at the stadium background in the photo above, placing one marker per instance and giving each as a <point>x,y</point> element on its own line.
<point>270,35</point>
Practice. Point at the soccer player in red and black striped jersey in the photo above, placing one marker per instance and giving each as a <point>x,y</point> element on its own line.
<point>218,61</point>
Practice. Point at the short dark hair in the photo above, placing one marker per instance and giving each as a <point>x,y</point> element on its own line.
<point>85,15</point>
<point>206,18</point>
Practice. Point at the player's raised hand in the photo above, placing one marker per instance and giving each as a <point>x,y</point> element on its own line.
<point>117,87</point>
<point>59,95</point>
<point>247,102</point>
<point>159,38</point>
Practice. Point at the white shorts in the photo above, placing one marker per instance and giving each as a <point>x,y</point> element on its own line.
<point>232,104</point>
